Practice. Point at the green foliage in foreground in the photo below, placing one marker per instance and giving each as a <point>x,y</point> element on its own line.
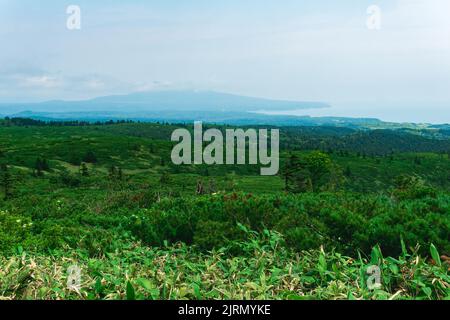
<point>264,270</point>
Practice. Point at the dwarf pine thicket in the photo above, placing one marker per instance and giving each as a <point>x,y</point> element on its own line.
<point>107,198</point>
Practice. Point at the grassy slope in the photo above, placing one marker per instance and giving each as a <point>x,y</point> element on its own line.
<point>138,149</point>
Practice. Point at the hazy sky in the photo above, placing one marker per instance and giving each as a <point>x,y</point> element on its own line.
<point>316,50</point>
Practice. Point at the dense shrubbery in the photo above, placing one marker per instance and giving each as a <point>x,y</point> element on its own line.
<point>346,221</point>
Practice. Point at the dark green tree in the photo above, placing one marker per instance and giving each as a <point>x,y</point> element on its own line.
<point>348,172</point>
<point>290,167</point>
<point>320,167</point>
<point>112,172</point>
<point>41,165</point>
<point>417,161</point>
<point>312,172</point>
<point>6,181</point>
<point>38,167</point>
<point>90,157</point>
<point>165,178</point>
<point>84,171</point>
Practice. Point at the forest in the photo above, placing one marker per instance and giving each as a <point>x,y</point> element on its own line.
<point>106,198</point>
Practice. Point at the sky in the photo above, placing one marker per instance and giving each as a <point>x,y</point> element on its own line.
<point>319,50</point>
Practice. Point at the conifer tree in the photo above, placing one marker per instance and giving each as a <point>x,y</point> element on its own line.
<point>6,181</point>
<point>84,170</point>
<point>112,172</point>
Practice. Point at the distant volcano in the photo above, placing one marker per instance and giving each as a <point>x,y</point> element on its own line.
<point>155,101</point>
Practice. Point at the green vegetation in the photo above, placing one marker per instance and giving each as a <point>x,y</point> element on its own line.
<point>106,197</point>
<point>264,269</point>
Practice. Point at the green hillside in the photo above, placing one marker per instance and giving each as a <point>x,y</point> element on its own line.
<point>107,198</point>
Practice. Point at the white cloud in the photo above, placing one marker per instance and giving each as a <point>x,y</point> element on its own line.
<point>95,84</point>
<point>43,82</point>
<point>42,85</point>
